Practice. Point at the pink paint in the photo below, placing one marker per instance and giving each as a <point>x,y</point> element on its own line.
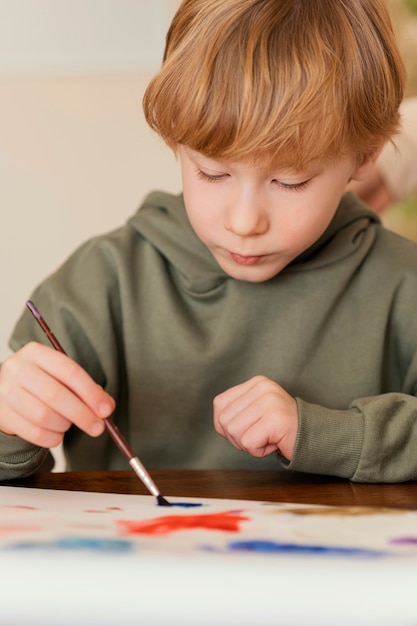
<point>17,507</point>
<point>106,510</point>
<point>227,522</point>
<point>9,530</point>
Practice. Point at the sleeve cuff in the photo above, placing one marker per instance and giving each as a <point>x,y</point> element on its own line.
<point>329,441</point>
<point>20,458</point>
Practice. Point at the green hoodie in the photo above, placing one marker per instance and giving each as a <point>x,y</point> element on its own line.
<point>147,311</point>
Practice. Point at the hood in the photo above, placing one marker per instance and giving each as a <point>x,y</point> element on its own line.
<point>163,222</point>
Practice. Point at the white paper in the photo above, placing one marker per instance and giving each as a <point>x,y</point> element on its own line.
<point>91,558</point>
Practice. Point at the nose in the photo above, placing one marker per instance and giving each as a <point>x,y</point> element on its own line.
<point>246,215</point>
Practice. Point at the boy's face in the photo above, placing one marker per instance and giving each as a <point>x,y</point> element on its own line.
<point>256,221</point>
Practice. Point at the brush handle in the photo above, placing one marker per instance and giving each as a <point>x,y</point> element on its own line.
<point>134,461</point>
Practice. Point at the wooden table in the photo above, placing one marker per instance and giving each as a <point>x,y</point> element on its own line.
<point>241,485</point>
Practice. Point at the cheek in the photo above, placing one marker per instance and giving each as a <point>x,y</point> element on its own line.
<point>198,213</point>
<point>306,226</point>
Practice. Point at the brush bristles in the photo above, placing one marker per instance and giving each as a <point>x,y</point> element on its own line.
<point>162,501</point>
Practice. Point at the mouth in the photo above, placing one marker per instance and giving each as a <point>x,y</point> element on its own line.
<point>246,260</point>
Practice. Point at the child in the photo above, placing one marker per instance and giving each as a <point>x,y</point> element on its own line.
<point>263,287</point>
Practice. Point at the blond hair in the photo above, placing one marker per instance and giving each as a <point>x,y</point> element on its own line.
<point>300,80</point>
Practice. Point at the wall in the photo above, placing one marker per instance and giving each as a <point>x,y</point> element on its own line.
<point>76,155</point>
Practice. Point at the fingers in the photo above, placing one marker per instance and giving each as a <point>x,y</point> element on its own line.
<point>31,431</point>
<point>43,392</point>
<point>258,417</point>
<point>67,390</point>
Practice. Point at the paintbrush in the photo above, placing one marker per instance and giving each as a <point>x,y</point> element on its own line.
<point>112,429</point>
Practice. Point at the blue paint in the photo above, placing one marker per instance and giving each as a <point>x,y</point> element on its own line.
<point>187,505</point>
<point>273,547</point>
<point>78,543</point>
<point>91,543</point>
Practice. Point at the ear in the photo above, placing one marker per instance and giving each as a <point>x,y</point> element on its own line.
<point>365,168</point>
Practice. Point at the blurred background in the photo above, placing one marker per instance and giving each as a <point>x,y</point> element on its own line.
<point>402,217</point>
<point>76,156</point>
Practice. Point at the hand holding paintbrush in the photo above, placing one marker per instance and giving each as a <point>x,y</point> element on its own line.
<point>114,432</point>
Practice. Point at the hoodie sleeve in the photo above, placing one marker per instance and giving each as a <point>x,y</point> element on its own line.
<point>79,302</point>
<point>371,437</point>
<point>374,440</point>
<point>20,458</point>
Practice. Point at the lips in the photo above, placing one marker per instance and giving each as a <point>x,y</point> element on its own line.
<point>246,260</point>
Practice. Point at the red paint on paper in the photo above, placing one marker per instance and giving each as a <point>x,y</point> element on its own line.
<point>228,521</point>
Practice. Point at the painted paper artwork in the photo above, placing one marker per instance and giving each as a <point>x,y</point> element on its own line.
<point>44,520</point>
<point>210,551</point>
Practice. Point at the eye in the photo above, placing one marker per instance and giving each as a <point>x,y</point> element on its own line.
<point>210,178</point>
<point>292,186</point>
